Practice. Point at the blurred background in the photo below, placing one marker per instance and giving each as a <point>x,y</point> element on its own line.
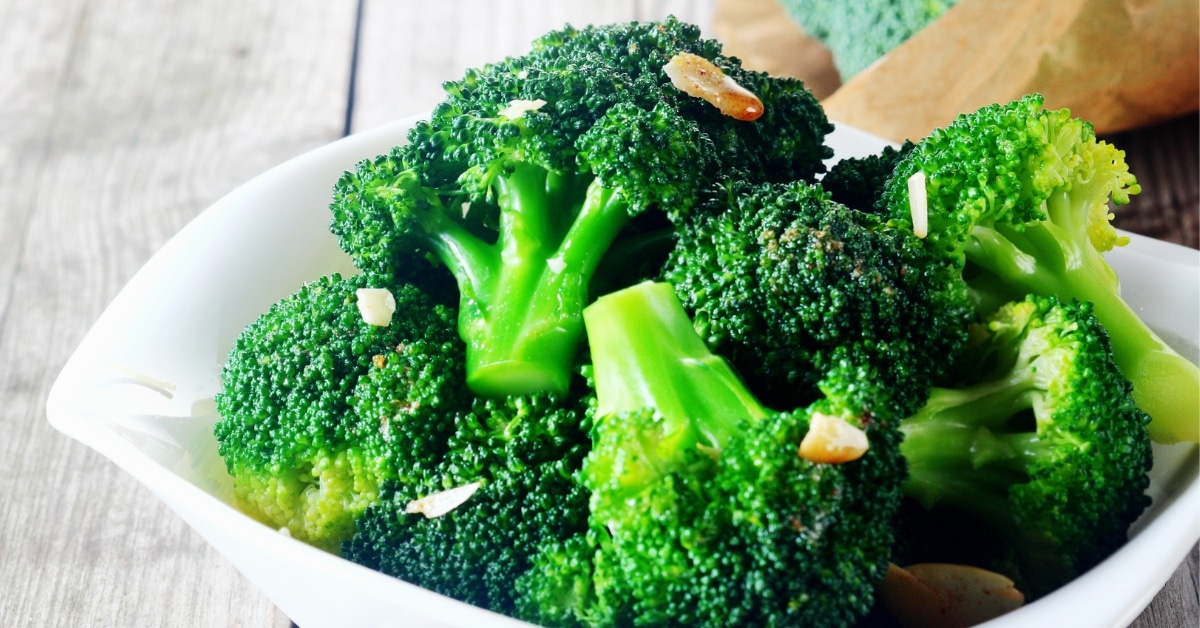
<point>121,120</point>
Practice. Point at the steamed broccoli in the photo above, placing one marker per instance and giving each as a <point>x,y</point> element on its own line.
<point>801,294</point>
<point>1018,203</point>
<point>519,455</point>
<point>859,33</point>
<point>531,168</point>
<point>308,449</point>
<point>1043,444</point>
<point>705,510</point>
<point>858,182</point>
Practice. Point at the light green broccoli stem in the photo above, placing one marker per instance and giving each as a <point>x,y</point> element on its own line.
<point>1057,257</point>
<point>522,298</point>
<point>963,450</point>
<point>647,355</point>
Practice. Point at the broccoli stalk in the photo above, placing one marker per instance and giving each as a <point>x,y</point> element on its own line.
<point>703,510</point>
<point>1018,200</point>
<point>1046,448</point>
<point>666,366</point>
<point>522,294</point>
<point>525,176</point>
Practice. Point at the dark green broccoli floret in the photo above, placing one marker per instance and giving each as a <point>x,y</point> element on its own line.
<point>531,168</point>
<point>800,293</point>
<point>703,511</point>
<point>858,182</point>
<point>524,453</point>
<point>860,33</point>
<point>1044,445</point>
<point>1018,202</point>
<point>304,452</point>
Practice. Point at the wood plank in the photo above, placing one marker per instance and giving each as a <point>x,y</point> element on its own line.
<point>1178,604</point>
<point>409,48</point>
<point>119,122</point>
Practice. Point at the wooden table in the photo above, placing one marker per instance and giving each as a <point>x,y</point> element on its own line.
<point>120,120</point>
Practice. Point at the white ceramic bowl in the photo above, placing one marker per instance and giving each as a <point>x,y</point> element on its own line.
<point>139,390</point>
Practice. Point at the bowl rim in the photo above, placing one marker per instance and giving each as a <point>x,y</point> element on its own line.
<point>1156,548</point>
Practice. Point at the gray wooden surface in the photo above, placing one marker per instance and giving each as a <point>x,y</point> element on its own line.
<point>120,120</point>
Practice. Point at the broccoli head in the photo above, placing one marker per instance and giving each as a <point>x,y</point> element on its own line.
<point>531,168</point>
<point>306,452</point>
<point>860,33</point>
<point>513,461</point>
<point>1018,200</point>
<point>801,294</point>
<point>858,182</point>
<point>705,509</point>
<point>1042,444</point>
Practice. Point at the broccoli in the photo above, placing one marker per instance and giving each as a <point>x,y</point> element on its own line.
<point>520,455</point>
<point>858,182</point>
<point>305,450</point>
<point>1042,445</point>
<point>531,168</point>
<point>860,33</point>
<point>802,294</point>
<point>704,510</point>
<point>1018,204</point>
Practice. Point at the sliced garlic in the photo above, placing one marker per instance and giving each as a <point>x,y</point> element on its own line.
<point>517,108</point>
<point>376,305</point>
<point>939,595</point>
<point>918,204</point>
<point>438,504</point>
<point>696,76</point>
<point>831,440</point>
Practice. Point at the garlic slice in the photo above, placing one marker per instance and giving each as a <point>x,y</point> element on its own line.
<point>376,305</point>
<point>938,595</point>
<point>517,108</point>
<point>438,504</point>
<point>696,76</point>
<point>831,440</point>
<point>918,204</point>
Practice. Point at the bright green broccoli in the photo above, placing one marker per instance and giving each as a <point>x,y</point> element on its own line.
<point>703,510</point>
<point>802,294</point>
<point>1043,445</point>
<point>858,182</point>
<point>308,452</point>
<point>519,456</point>
<point>1018,203</point>
<point>531,168</point>
<point>860,33</point>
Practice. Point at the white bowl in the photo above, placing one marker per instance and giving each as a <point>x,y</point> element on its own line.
<point>139,390</point>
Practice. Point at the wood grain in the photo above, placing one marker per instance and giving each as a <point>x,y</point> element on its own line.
<point>409,48</point>
<point>119,122</point>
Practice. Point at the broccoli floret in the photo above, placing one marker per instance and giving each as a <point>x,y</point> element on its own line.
<point>304,451</point>
<point>524,452</point>
<point>530,169</point>
<point>858,182</point>
<point>703,510</point>
<point>860,33</point>
<point>801,294</point>
<point>1018,202</point>
<point>1043,446</point>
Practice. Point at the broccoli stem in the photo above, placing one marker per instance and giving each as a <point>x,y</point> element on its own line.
<point>1165,385</point>
<point>647,354</point>
<point>963,450</point>
<point>522,316</point>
